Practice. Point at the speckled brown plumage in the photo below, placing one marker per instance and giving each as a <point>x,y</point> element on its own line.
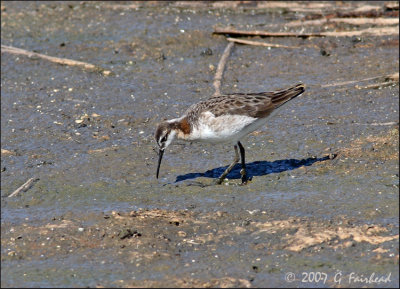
<point>256,105</point>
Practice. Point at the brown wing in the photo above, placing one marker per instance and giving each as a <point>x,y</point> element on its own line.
<point>241,104</point>
<point>252,104</point>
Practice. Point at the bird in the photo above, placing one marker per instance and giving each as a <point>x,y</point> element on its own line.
<point>225,118</point>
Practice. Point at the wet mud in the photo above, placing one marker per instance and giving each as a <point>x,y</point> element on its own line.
<point>321,208</point>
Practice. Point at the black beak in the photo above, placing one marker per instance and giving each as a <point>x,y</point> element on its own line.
<point>160,154</point>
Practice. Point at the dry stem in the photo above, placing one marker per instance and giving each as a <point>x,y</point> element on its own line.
<point>249,42</point>
<point>63,61</point>
<point>221,67</point>
<point>26,186</point>
<point>374,31</point>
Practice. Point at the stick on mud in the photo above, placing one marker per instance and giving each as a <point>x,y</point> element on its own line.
<point>221,67</point>
<point>63,61</point>
<point>257,43</point>
<point>393,78</point>
<point>26,186</point>
<point>373,31</point>
<point>233,31</point>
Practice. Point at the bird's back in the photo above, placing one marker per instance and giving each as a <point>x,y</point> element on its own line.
<point>256,105</point>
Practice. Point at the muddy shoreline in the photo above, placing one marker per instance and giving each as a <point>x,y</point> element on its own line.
<point>324,192</point>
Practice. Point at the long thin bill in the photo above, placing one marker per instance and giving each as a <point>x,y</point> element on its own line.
<point>160,154</point>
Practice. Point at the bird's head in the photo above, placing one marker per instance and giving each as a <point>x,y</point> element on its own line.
<point>164,136</point>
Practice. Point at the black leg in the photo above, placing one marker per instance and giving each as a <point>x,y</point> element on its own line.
<point>243,170</point>
<point>227,171</point>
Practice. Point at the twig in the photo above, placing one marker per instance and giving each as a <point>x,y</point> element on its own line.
<point>393,77</point>
<point>352,21</point>
<point>7,152</point>
<point>377,85</point>
<point>220,68</point>
<point>378,123</point>
<point>233,31</point>
<point>249,42</point>
<point>349,82</point>
<point>375,31</point>
<point>366,11</point>
<point>121,6</point>
<point>63,61</point>
<point>26,186</point>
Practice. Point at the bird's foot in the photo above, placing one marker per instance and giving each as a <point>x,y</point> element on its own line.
<point>244,176</point>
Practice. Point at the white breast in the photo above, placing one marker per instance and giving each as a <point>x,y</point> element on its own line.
<point>225,128</point>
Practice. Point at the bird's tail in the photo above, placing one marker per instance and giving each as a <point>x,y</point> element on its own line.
<point>280,97</point>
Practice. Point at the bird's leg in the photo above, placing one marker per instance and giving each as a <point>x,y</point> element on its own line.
<point>228,169</point>
<point>243,170</point>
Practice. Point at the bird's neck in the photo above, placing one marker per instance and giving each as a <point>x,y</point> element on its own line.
<point>181,126</point>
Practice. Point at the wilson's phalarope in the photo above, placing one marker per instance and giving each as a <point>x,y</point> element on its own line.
<point>224,119</point>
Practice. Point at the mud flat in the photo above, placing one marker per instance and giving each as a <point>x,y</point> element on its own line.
<point>80,205</point>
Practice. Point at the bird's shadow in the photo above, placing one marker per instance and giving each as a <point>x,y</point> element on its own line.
<point>258,168</point>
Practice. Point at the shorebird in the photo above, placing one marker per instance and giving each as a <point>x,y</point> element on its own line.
<point>224,119</point>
